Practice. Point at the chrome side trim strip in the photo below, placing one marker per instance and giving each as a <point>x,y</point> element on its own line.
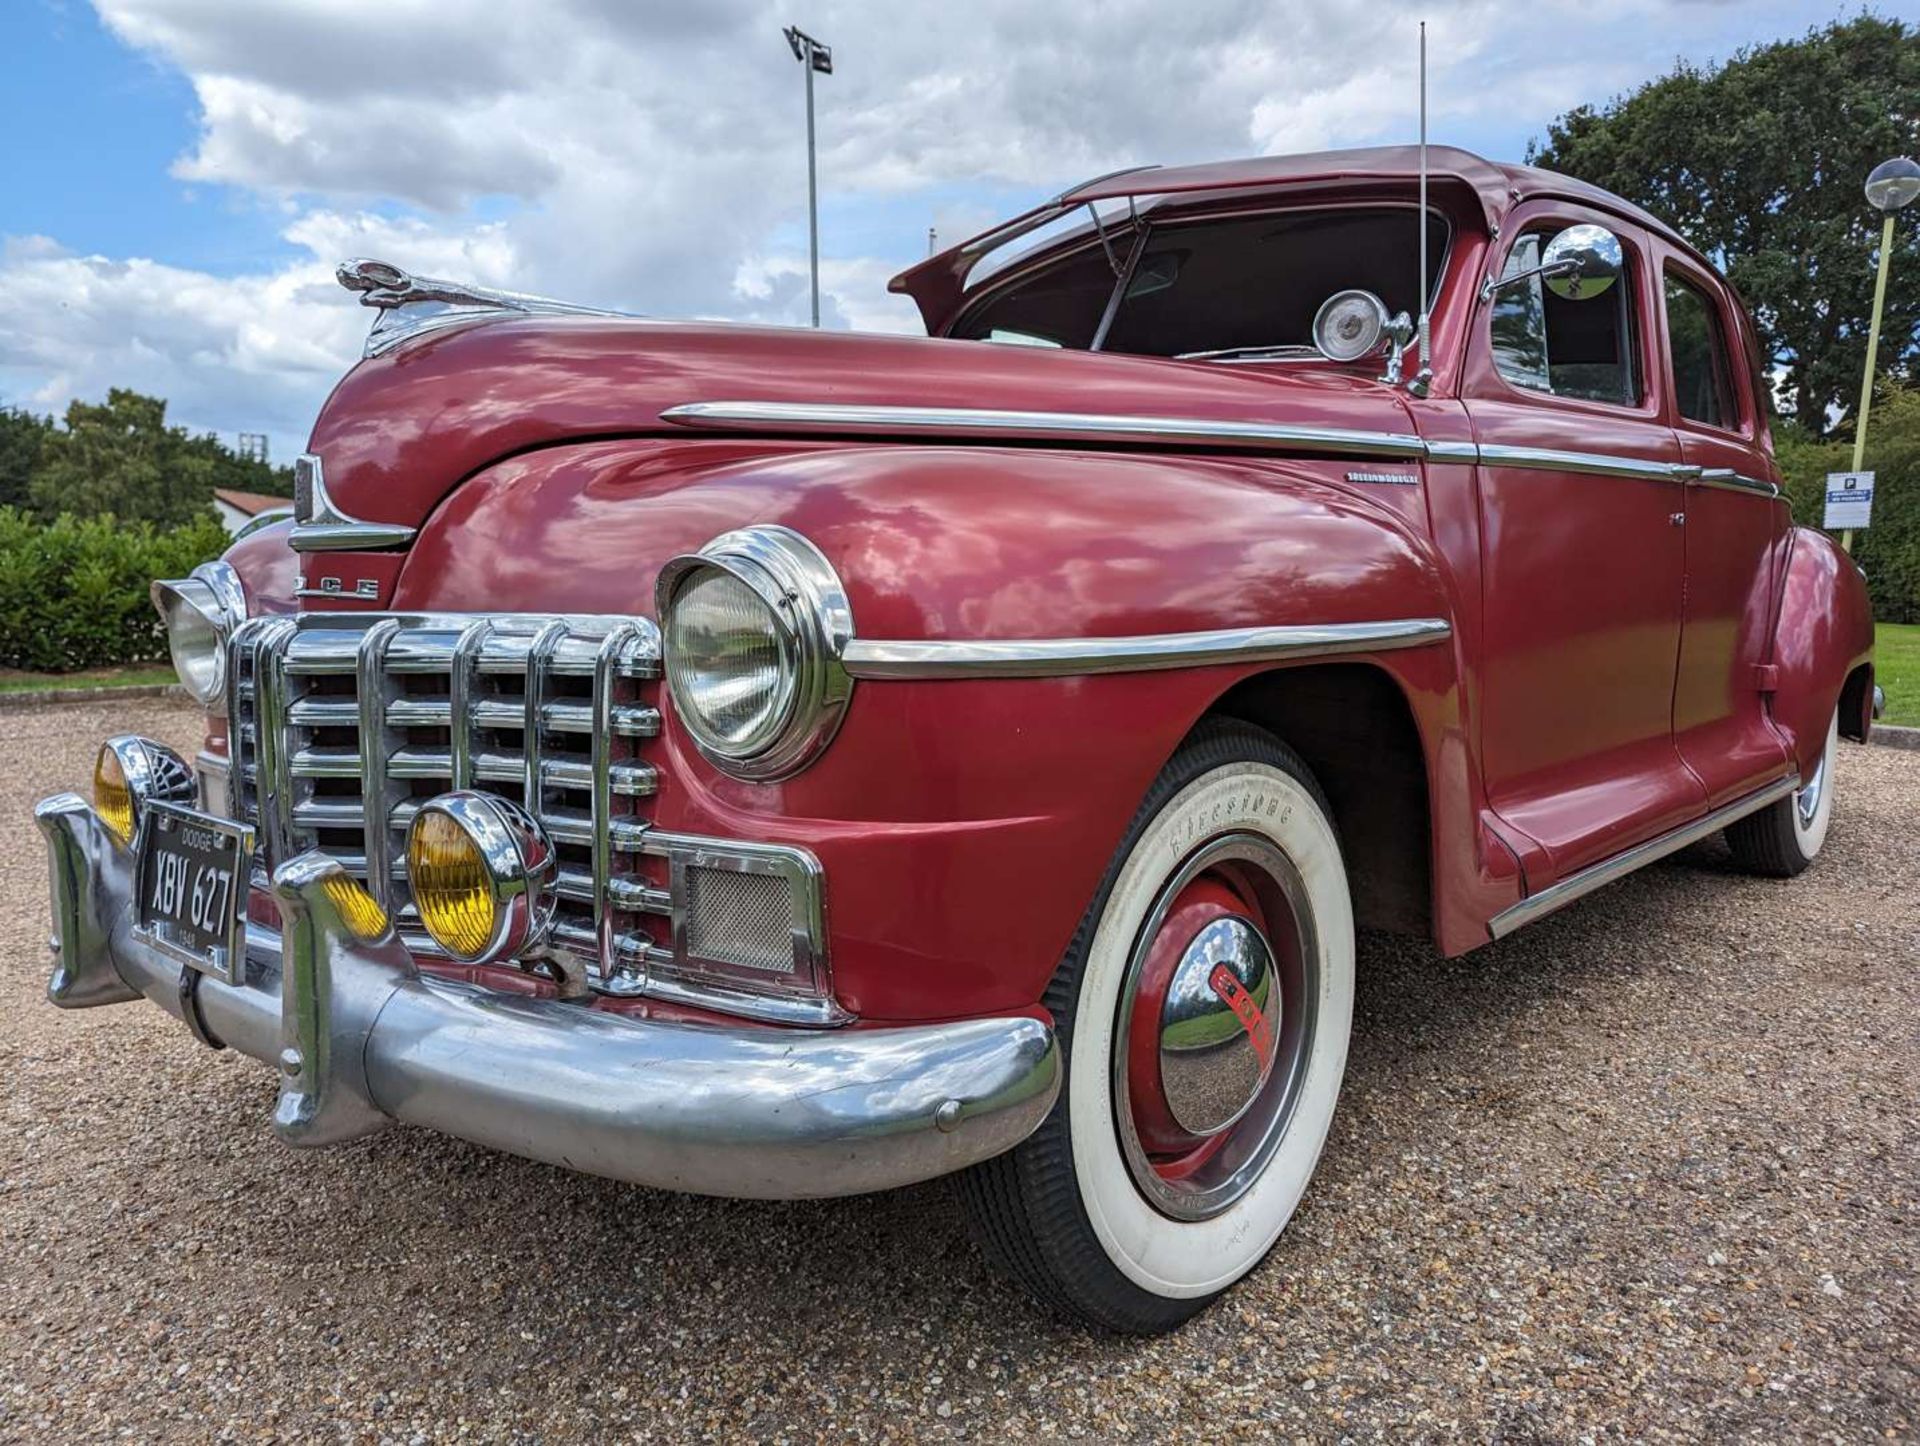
<point>1060,657</point>
<point>990,422</point>
<point>1726,479</point>
<point>320,526</point>
<point>1592,464</point>
<point>859,419</point>
<point>1596,876</point>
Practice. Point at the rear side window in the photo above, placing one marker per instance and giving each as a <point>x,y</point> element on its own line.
<point>1701,376</point>
<point>1548,343</point>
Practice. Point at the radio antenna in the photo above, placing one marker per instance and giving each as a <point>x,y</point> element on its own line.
<point>1424,377</point>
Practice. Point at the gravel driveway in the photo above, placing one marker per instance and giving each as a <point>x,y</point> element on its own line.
<point>1647,1169</point>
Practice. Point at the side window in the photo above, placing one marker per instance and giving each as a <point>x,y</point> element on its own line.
<point>1701,375</point>
<point>1548,343</point>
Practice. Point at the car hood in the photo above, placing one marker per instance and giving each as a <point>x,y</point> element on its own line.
<point>402,430</point>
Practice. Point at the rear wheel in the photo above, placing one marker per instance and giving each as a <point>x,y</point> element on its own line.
<point>1784,837</point>
<point>1205,1005</point>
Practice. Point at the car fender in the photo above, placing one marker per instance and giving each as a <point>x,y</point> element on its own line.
<point>1823,633</point>
<point>965,824</point>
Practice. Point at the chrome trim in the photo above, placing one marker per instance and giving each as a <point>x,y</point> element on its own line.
<point>1057,657</point>
<point>1591,464</point>
<point>1464,453</point>
<point>1727,479</point>
<point>320,526</point>
<point>224,607</point>
<point>411,306</point>
<point>989,422</point>
<point>809,603</point>
<point>806,885</point>
<point>1595,876</point>
<point>362,1039</point>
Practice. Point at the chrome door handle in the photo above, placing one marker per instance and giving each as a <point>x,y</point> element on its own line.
<point>1678,519</point>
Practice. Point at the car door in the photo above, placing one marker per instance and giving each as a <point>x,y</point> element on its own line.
<point>1582,512</point>
<point>1735,521</point>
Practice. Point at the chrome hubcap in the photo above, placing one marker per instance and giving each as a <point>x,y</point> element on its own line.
<point>1217,1027</point>
<point>1807,800</point>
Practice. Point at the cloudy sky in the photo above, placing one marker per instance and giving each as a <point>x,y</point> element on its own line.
<point>181,176</point>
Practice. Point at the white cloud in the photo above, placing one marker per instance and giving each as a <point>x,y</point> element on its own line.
<point>648,153</point>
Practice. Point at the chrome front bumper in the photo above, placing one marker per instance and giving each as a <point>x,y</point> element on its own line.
<point>362,1038</point>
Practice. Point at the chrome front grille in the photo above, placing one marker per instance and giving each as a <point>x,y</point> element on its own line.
<point>342,724</point>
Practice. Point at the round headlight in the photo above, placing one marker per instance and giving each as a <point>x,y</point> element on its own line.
<point>728,663</point>
<point>752,630</point>
<point>131,770</point>
<point>200,612</point>
<point>482,876</point>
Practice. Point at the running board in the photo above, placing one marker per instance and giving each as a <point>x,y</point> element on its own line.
<point>1597,876</point>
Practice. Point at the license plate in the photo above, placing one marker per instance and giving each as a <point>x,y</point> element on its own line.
<point>192,894</point>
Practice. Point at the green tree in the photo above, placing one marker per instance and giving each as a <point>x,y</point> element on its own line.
<point>1759,164</point>
<point>23,438</point>
<point>122,458</point>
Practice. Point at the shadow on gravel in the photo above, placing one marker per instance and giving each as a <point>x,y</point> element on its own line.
<point>593,1266</point>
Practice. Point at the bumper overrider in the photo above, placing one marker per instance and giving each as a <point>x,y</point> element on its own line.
<point>362,1038</point>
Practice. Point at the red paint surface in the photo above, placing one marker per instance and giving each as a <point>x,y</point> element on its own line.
<point>1599,688</point>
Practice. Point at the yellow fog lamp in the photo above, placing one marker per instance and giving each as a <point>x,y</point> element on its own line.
<point>129,772</point>
<point>482,872</point>
<point>360,913</point>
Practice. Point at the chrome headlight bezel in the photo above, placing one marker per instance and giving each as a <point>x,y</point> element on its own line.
<point>812,622</point>
<point>212,596</point>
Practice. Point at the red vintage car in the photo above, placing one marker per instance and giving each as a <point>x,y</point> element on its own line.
<point>778,763</point>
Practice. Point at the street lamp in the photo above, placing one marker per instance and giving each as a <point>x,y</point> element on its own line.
<point>812,56</point>
<point>1892,185</point>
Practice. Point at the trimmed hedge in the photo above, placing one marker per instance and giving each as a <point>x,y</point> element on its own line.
<point>1889,550</point>
<point>73,592</point>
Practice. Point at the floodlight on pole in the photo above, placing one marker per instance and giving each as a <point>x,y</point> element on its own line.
<point>812,56</point>
<point>1891,185</point>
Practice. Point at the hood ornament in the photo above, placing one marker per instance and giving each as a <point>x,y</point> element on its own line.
<point>412,305</point>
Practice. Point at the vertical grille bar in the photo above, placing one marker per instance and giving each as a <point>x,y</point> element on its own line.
<point>606,674</point>
<point>274,784</point>
<point>466,663</point>
<point>539,654</point>
<point>370,675</point>
<point>240,695</point>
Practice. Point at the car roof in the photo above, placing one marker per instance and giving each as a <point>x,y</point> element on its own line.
<point>938,283</point>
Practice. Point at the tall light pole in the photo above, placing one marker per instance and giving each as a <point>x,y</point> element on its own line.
<point>1892,184</point>
<point>812,56</point>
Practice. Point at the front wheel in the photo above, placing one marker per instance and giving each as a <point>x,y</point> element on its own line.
<point>1204,1004</point>
<point>1784,837</point>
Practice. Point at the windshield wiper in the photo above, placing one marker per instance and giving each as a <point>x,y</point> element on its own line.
<point>1283,351</point>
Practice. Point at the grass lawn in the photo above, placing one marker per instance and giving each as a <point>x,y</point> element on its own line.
<point>1896,668</point>
<point>13,680</point>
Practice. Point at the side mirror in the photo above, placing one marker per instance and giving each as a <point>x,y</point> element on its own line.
<point>1580,263</point>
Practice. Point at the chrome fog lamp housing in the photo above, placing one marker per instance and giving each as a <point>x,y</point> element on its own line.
<point>753,627</point>
<point>482,873</point>
<point>131,772</point>
<point>201,611</point>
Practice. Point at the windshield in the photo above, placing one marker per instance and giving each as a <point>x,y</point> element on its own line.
<point>1211,285</point>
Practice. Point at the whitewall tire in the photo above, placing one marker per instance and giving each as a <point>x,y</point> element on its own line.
<point>1784,837</point>
<point>1205,1005</point>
